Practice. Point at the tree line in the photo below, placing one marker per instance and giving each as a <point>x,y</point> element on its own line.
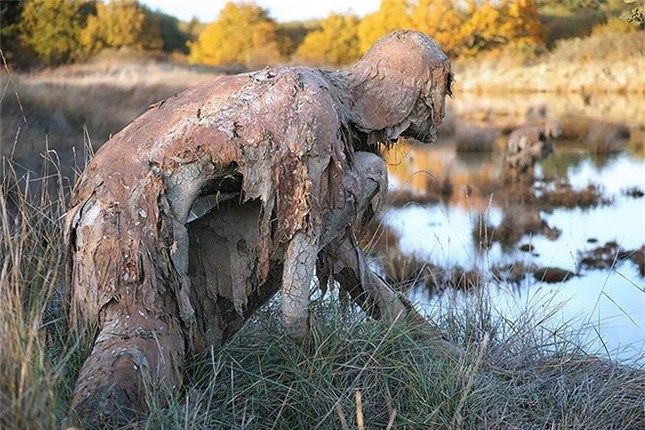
<point>55,32</point>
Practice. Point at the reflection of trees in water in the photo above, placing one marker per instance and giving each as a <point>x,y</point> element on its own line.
<point>475,182</point>
<point>438,173</point>
<point>567,156</point>
<point>474,160</point>
<point>518,221</point>
<point>636,145</point>
<point>472,180</point>
<point>601,161</point>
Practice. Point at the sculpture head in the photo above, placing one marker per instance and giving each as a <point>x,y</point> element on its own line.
<point>544,145</point>
<point>399,87</point>
<point>541,149</point>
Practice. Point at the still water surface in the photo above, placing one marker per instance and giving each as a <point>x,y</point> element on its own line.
<point>607,305</point>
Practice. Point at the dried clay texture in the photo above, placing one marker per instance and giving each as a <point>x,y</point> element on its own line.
<point>196,213</point>
<point>271,136</point>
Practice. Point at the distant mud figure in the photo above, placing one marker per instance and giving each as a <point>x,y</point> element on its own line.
<point>200,210</point>
<point>525,147</point>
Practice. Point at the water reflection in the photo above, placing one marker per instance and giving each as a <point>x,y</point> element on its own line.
<point>452,217</point>
<point>605,308</point>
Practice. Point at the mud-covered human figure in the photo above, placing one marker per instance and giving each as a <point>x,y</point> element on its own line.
<point>525,147</point>
<point>197,212</point>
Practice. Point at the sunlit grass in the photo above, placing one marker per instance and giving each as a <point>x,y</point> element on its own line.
<point>518,372</point>
<point>101,97</point>
<point>37,357</point>
<point>264,380</point>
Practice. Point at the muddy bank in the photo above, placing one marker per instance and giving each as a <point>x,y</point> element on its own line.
<point>604,62</point>
<point>593,77</point>
<point>506,111</point>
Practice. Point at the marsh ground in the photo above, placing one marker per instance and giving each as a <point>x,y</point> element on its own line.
<point>388,375</point>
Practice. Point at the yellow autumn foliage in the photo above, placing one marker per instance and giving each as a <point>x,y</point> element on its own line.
<point>118,24</point>
<point>52,29</point>
<point>439,19</point>
<point>500,22</point>
<point>458,26</point>
<point>523,24</point>
<point>335,43</point>
<point>243,34</point>
<point>392,15</point>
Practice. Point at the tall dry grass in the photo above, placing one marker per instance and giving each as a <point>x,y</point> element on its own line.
<point>352,373</point>
<point>601,63</point>
<point>38,357</point>
<point>61,108</point>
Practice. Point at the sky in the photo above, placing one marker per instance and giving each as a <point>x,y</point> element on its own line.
<point>280,10</point>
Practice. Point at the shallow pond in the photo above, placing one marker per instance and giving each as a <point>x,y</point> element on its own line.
<point>451,214</point>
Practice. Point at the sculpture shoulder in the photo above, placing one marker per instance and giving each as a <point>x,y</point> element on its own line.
<point>296,84</point>
<point>294,109</point>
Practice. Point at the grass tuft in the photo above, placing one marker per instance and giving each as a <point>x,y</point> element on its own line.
<point>352,373</point>
<point>357,373</point>
<point>38,358</point>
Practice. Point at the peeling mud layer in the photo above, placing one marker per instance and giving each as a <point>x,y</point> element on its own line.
<point>202,208</point>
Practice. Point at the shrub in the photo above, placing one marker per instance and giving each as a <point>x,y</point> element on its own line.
<point>604,47</point>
